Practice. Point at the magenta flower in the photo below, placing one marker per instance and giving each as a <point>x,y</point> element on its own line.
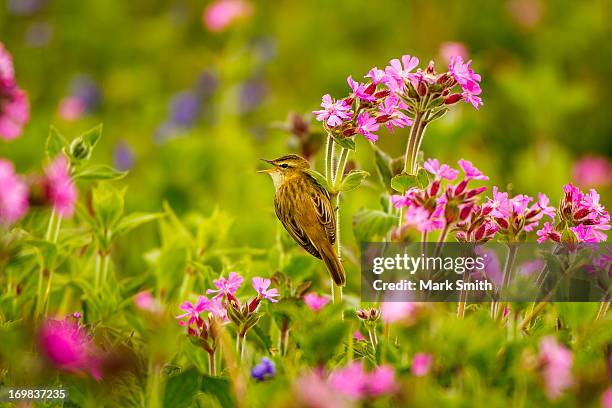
<point>13,194</point>
<point>315,302</point>
<point>193,311</point>
<point>7,71</point>
<point>366,125</point>
<point>423,220</point>
<point>382,381</point>
<point>376,75</point>
<point>68,346</point>
<point>216,308</point>
<point>448,50</point>
<point>362,91</point>
<point>313,391</point>
<point>261,285</point>
<point>333,113</point>
<point>14,105</point>
<point>467,79</point>
<point>421,364</point>
<point>145,301</point>
<point>606,398</point>
<point>593,171</point>
<point>397,74</point>
<point>548,232</point>
<point>354,382</point>
<point>227,286</point>
<point>391,113</point>
<point>393,312</point>
<point>358,336</point>
<point>556,367</point>
<point>59,188</point>
<point>471,172</point>
<point>220,14</point>
<point>442,172</point>
<point>71,108</point>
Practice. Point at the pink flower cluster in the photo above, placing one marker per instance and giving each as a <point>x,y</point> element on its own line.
<point>434,207</point>
<point>14,104</point>
<point>354,382</point>
<point>59,188</point>
<point>393,96</point>
<point>556,367</point>
<point>13,194</point>
<point>593,171</point>
<point>225,293</point>
<point>69,347</point>
<point>581,214</point>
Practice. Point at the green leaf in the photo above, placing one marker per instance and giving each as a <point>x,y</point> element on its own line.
<point>346,142</point>
<point>353,180</point>
<point>383,166</point>
<point>129,222</point>
<point>423,178</point>
<point>220,388</point>
<point>92,136</point>
<point>369,225</point>
<point>320,178</point>
<point>404,182</point>
<point>99,172</point>
<point>107,203</point>
<point>55,142</point>
<point>181,389</point>
<point>438,114</point>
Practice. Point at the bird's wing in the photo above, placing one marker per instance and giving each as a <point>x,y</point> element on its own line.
<point>326,214</point>
<point>287,218</point>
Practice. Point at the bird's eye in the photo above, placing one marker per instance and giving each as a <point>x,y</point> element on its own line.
<point>284,166</point>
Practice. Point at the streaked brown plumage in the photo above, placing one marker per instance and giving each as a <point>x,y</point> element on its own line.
<point>304,208</point>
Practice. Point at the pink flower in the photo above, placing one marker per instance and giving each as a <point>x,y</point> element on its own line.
<point>68,346</point>
<point>144,300</point>
<point>467,79</point>
<point>366,125</point>
<point>313,391</point>
<point>390,112</point>
<point>261,285</point>
<point>547,232</point>
<point>351,380</point>
<point>333,113</point>
<point>362,91</point>
<point>421,364</point>
<point>193,311</point>
<point>358,336</point>
<point>227,286</point>
<point>71,108</point>
<point>59,188</point>
<point>382,381</point>
<point>556,365</point>
<point>471,172</point>
<point>14,112</point>
<point>7,72</point>
<point>376,75</point>
<point>397,75</point>
<point>442,172</point>
<point>606,398</point>
<point>543,202</point>
<point>220,14</point>
<point>392,312</point>
<point>448,50</point>
<point>315,302</point>
<point>13,194</point>
<point>593,171</point>
<point>423,220</point>
<point>216,308</point>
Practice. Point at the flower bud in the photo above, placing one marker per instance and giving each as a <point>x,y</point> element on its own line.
<point>79,150</point>
<point>453,98</point>
<point>465,212</point>
<point>422,89</point>
<point>451,212</point>
<point>371,89</point>
<point>382,94</point>
<point>434,188</point>
<point>460,187</point>
<point>382,118</point>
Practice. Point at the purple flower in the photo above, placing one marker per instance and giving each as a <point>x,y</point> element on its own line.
<point>193,311</point>
<point>392,312</point>
<point>227,286</point>
<point>184,109</point>
<point>59,188</point>
<point>13,194</point>
<point>397,74</point>
<point>315,302</point>
<point>421,364</point>
<point>467,79</point>
<point>333,113</point>
<point>391,112</point>
<point>261,285</point>
<point>366,125</point>
<point>264,370</point>
<point>443,172</point>
<point>471,172</point>
<point>362,91</point>
<point>556,367</point>
<point>123,156</point>
<point>376,75</point>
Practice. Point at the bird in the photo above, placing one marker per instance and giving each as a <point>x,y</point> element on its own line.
<point>305,209</point>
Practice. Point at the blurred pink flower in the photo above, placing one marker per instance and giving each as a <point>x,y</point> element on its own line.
<point>220,14</point>
<point>354,382</point>
<point>556,365</point>
<point>261,286</point>
<point>315,302</point>
<point>382,381</point>
<point>13,194</point>
<point>526,13</point>
<point>333,113</point>
<point>68,346</point>
<point>227,286</point>
<point>593,171</point>
<point>71,108</point>
<point>358,336</point>
<point>313,391</point>
<point>392,312</point>
<point>59,188</point>
<point>14,105</point>
<point>144,300</point>
<point>451,49</point>
<point>7,71</point>
<point>421,364</point>
<point>606,398</point>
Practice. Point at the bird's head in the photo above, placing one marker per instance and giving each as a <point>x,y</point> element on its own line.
<point>286,166</point>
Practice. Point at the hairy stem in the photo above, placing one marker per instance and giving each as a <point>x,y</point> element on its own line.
<point>603,309</point>
<point>507,277</point>
<point>212,368</point>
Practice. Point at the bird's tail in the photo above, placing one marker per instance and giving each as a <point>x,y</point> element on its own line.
<point>334,266</point>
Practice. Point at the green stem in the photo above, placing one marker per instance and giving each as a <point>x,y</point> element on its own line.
<point>603,309</point>
<point>212,369</point>
<point>507,277</point>
<point>105,265</point>
<point>154,386</point>
<point>97,272</point>
<point>240,340</point>
<point>411,145</point>
<point>55,222</point>
<point>329,157</point>
<point>441,240</point>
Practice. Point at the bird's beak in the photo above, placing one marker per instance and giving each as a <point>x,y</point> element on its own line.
<point>268,170</point>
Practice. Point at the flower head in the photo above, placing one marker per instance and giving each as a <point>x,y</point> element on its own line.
<point>443,172</point>
<point>144,300</point>
<point>556,365</point>
<point>366,125</point>
<point>354,382</point>
<point>400,72</point>
<point>333,113</point>
<point>227,287</point>
<point>315,302</point>
<point>220,14</point>
<point>471,172</point>
<point>13,194</point>
<point>364,92</point>
<point>264,370</point>
<point>68,346</point>
<point>421,364</point>
<point>467,79</point>
<point>261,285</point>
<point>14,104</point>
<point>593,171</point>
<point>193,311</point>
<point>59,188</point>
